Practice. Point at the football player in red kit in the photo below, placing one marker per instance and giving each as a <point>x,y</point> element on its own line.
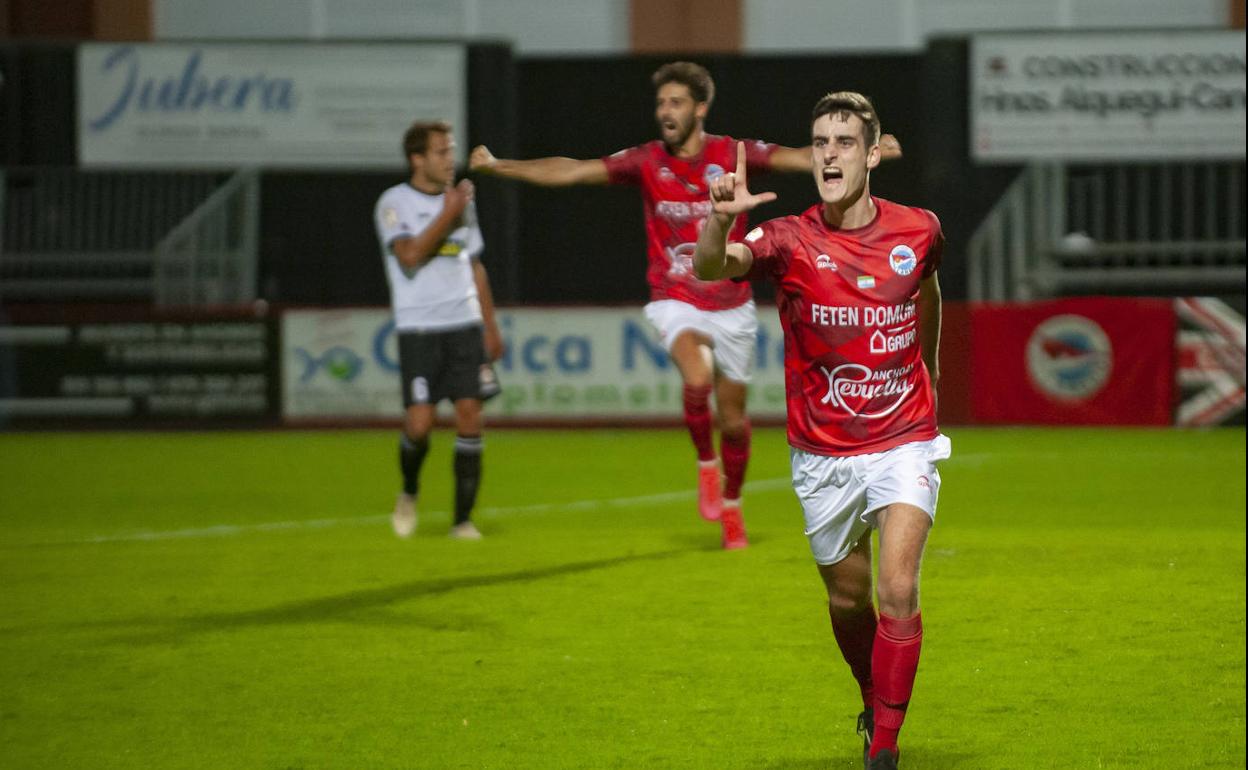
<point>708,328</point>
<point>859,302</point>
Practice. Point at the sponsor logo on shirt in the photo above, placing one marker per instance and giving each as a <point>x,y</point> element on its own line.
<point>681,257</point>
<point>450,248</point>
<point>902,259</point>
<point>824,262</point>
<point>683,211</point>
<point>863,392</point>
<point>882,343</point>
<point>754,234</point>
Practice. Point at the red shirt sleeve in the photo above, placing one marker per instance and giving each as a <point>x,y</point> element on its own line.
<point>767,243</point>
<point>625,166</point>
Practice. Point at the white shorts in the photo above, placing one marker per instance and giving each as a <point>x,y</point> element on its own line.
<point>733,332</point>
<point>841,495</point>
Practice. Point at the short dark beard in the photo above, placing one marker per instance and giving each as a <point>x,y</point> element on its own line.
<point>683,136</point>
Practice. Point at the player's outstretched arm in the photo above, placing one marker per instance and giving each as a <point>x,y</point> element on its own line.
<point>714,257</point>
<point>797,159</point>
<point>548,172</point>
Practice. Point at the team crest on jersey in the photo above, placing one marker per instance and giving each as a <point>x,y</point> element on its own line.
<point>713,171</point>
<point>666,174</point>
<point>754,234</point>
<point>903,260</point>
<point>389,217</point>
<point>824,262</point>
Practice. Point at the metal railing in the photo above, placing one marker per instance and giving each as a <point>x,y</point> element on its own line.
<point>70,235</point>
<point>210,257</point>
<point>1143,228</point>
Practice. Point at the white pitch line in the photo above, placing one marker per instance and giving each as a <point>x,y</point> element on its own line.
<point>230,530</point>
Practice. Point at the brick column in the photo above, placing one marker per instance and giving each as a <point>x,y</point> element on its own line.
<point>676,26</point>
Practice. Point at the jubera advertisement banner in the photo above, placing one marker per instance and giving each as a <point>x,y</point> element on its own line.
<point>262,104</point>
<point>1107,96</point>
<point>561,364</point>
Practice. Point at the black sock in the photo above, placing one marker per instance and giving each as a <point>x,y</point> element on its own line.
<point>467,474</point>
<point>412,453</point>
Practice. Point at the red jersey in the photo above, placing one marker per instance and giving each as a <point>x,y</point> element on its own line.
<point>676,198</point>
<point>855,381</point>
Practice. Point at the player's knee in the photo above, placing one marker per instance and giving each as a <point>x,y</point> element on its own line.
<point>732,424</point>
<point>851,602</point>
<point>696,378</point>
<point>899,595</point>
<point>416,429</point>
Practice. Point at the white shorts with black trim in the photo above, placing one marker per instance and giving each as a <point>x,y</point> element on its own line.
<point>840,496</point>
<point>733,333</point>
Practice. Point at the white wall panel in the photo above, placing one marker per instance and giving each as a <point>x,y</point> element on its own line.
<point>535,27</point>
<point>775,26</point>
<point>557,26</point>
<point>231,19</point>
<point>1148,13</point>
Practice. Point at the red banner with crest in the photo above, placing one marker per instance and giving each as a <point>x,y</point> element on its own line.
<point>1088,360</point>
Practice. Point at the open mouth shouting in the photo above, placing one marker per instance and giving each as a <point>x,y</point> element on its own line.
<point>832,176</point>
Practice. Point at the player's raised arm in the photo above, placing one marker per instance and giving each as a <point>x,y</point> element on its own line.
<point>797,159</point>
<point>548,172</point>
<point>714,257</point>
<point>414,251</point>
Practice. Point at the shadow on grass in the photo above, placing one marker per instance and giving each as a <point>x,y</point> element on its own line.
<point>915,759</point>
<point>353,605</point>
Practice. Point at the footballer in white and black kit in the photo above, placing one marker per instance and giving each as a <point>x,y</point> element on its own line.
<point>437,313</point>
<point>444,315</point>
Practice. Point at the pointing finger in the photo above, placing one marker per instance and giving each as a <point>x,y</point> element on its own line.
<point>741,161</point>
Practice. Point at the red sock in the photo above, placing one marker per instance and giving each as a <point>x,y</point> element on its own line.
<point>698,420</point>
<point>855,634</point>
<point>894,662</point>
<point>735,451</point>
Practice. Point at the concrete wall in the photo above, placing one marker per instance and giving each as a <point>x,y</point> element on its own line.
<point>557,27</point>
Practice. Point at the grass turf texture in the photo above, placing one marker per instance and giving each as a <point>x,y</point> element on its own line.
<point>238,601</point>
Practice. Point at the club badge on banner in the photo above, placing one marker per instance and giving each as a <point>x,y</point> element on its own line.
<point>1074,361</point>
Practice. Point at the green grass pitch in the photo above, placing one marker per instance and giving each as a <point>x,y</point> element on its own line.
<point>237,600</point>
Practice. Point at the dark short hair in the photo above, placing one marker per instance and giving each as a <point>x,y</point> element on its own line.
<point>692,76</point>
<point>416,138</point>
<point>846,103</point>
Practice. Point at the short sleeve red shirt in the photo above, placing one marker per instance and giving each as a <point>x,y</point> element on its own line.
<point>676,199</point>
<point>855,381</point>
